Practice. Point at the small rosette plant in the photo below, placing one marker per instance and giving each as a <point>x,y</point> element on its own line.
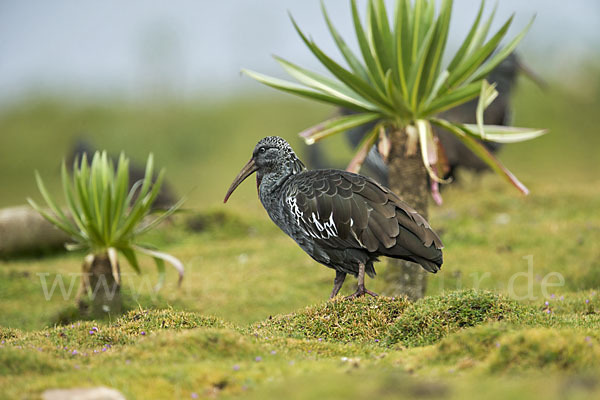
<point>106,217</point>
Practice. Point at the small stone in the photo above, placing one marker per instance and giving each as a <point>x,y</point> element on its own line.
<point>502,219</point>
<point>100,392</point>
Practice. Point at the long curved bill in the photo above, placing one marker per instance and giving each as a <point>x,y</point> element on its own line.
<point>246,171</point>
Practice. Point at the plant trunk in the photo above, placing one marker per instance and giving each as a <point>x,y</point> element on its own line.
<point>408,179</point>
<point>101,293</point>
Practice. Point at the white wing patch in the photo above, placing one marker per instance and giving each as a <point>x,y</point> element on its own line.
<point>312,226</point>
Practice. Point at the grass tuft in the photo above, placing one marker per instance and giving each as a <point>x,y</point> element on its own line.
<point>361,320</point>
<point>93,335</point>
<point>432,318</point>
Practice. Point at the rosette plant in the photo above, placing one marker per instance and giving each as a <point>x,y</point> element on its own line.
<point>400,82</point>
<point>106,219</point>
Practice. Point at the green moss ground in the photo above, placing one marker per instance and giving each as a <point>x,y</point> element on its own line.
<point>514,313</point>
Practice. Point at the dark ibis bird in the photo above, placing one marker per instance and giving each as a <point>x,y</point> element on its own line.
<point>342,220</point>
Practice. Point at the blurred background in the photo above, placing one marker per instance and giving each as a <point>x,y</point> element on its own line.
<point>163,77</point>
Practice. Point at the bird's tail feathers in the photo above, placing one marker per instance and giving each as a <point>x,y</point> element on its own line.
<point>429,265</point>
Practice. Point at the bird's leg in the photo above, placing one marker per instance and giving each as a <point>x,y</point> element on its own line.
<point>337,283</point>
<point>361,290</point>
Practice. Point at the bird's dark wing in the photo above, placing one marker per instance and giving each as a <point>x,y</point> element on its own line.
<point>342,210</point>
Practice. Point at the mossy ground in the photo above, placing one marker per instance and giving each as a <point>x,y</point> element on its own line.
<point>514,313</point>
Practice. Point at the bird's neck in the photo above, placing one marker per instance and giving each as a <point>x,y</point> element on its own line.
<point>269,183</point>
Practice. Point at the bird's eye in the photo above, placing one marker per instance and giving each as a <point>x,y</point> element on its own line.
<point>262,150</point>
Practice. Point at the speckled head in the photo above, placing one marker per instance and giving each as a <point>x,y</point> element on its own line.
<point>271,155</point>
<point>272,152</point>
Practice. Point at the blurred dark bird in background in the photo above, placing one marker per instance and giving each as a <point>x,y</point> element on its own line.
<point>458,155</point>
<point>166,197</point>
<point>342,220</point>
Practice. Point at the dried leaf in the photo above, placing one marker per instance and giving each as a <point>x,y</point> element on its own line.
<point>412,141</point>
<point>384,144</point>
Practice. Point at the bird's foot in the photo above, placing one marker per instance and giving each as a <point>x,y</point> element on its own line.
<point>361,291</point>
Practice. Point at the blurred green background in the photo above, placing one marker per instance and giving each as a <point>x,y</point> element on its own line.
<point>203,144</point>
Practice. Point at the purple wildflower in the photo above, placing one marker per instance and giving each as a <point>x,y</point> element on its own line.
<point>320,339</point>
<point>127,361</point>
<point>92,332</point>
<point>552,296</point>
<point>76,366</point>
<point>548,311</point>
<point>273,352</point>
<point>562,298</point>
<point>194,395</point>
<point>587,301</point>
<point>258,359</point>
<point>95,328</point>
<point>74,352</point>
<point>376,340</point>
<point>546,304</point>
<point>143,333</point>
<point>236,367</point>
<point>498,344</point>
<point>588,339</point>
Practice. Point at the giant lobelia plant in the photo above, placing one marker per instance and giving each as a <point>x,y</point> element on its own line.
<point>105,218</point>
<point>400,81</point>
